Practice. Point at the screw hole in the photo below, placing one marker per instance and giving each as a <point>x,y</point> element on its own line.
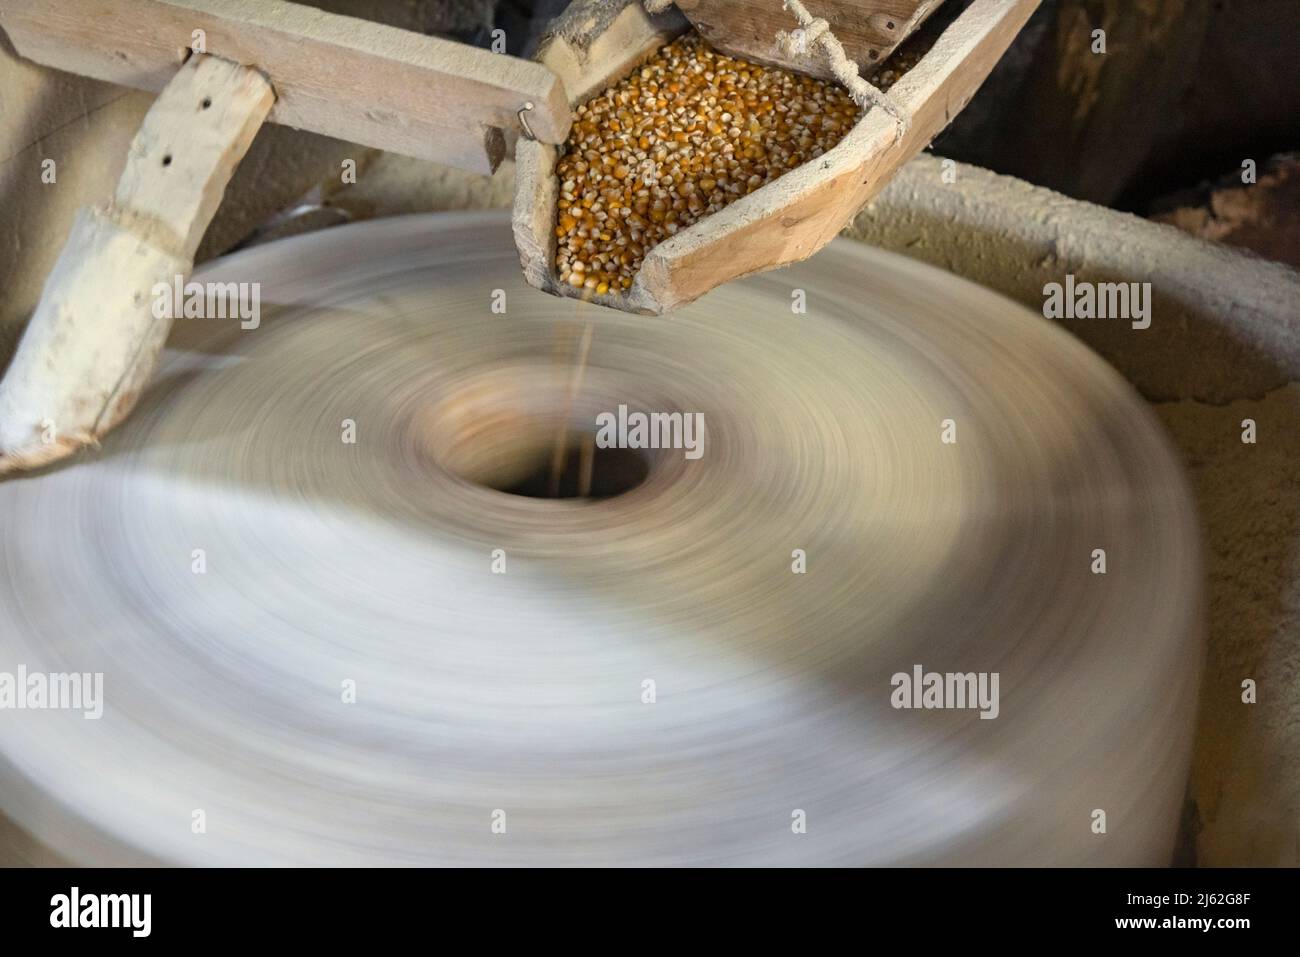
<point>873,54</point>
<point>207,102</point>
<point>167,159</point>
<point>889,25</point>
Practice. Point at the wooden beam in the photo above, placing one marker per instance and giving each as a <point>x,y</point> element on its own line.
<point>93,341</point>
<point>359,81</point>
<point>187,148</point>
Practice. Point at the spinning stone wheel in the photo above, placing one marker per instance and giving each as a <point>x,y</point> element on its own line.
<point>392,650</point>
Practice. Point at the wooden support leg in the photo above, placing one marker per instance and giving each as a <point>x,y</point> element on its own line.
<point>94,339</point>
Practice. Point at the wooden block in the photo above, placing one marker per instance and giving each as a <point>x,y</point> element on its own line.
<point>869,30</point>
<point>352,79</point>
<point>187,149</point>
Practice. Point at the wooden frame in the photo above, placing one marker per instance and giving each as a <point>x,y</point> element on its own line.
<point>356,80</point>
<point>788,219</point>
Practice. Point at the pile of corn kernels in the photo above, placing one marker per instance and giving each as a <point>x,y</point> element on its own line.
<point>688,133</point>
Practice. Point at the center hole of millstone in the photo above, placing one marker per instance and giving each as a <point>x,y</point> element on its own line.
<point>520,432</point>
<point>586,471</point>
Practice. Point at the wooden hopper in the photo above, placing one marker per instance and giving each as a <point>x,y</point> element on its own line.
<point>790,218</point>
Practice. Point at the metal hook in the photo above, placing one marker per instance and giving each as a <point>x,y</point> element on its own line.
<point>523,120</point>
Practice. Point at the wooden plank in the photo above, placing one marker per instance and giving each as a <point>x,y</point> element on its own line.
<point>352,79</point>
<point>93,341</point>
<point>869,30</point>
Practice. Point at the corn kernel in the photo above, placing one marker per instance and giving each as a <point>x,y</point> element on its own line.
<point>680,138</point>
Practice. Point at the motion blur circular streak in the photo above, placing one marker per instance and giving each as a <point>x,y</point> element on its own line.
<point>371,562</point>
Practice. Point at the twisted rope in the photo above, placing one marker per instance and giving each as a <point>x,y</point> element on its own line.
<point>814,36</point>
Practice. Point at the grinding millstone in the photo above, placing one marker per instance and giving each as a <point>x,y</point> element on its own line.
<point>329,562</point>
